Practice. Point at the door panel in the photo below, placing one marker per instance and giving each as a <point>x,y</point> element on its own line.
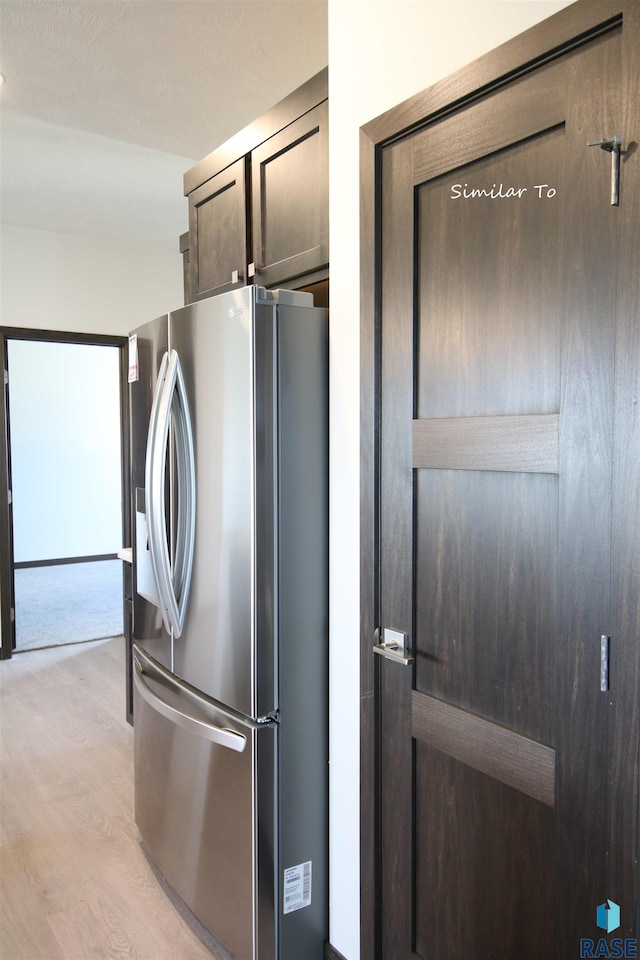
<point>226,346</point>
<point>215,650</point>
<point>480,864</point>
<point>290,200</point>
<point>486,567</point>
<point>219,233</point>
<point>500,800</point>
<point>199,832</point>
<point>489,311</point>
<point>148,628</point>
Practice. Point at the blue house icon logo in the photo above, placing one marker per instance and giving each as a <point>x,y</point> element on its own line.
<point>608,919</point>
<point>608,916</point>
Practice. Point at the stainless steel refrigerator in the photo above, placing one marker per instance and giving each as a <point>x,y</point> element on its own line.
<point>229,478</point>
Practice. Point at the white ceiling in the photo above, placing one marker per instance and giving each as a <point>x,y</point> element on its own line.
<point>106,103</point>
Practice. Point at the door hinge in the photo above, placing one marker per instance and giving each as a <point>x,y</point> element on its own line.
<point>9,497</point>
<point>6,377</point>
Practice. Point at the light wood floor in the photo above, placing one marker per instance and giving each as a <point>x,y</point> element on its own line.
<point>75,882</point>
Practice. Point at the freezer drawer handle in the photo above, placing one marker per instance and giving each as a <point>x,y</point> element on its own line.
<point>221,735</point>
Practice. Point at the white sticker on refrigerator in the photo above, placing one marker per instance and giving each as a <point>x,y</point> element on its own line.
<point>134,370</point>
<point>297,887</point>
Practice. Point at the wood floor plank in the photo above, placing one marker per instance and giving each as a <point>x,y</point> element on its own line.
<point>91,930</point>
<point>76,883</point>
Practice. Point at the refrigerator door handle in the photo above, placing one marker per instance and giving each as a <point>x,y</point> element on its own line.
<point>155,495</point>
<point>208,731</point>
<point>186,475</point>
<point>170,405</point>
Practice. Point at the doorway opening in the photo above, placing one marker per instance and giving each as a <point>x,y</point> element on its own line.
<point>65,413</point>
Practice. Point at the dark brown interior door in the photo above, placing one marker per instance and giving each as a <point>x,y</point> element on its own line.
<point>507,764</point>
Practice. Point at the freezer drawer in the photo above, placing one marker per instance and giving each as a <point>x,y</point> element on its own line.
<point>204,807</point>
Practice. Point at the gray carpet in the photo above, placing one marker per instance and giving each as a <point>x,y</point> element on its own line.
<point>68,603</point>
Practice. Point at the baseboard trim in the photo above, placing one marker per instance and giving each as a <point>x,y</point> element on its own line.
<point>61,561</point>
<point>330,953</point>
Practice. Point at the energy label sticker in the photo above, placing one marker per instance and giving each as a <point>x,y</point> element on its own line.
<point>297,887</point>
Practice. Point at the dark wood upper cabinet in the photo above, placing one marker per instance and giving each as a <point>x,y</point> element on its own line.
<point>290,201</point>
<point>186,266</point>
<point>259,204</point>
<point>218,233</point>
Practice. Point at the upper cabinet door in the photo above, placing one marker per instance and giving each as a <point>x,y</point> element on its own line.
<point>290,200</point>
<point>218,233</point>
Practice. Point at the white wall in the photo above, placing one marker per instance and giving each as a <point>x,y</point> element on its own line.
<point>57,281</point>
<point>380,53</point>
<point>65,449</point>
